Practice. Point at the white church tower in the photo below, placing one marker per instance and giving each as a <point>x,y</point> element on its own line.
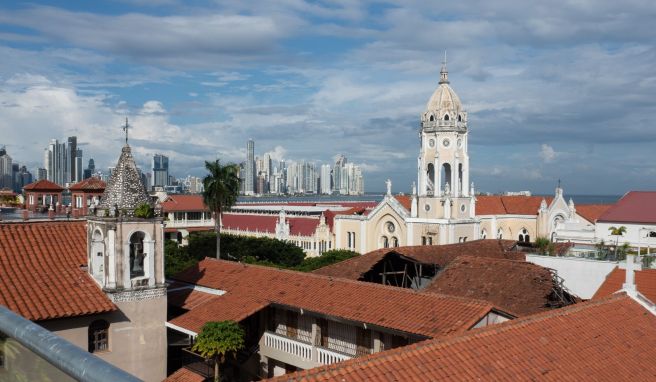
<point>444,194</point>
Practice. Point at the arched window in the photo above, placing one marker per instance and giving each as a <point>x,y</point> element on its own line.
<point>446,117</point>
<point>384,242</point>
<point>483,234</point>
<point>98,336</point>
<point>524,236</point>
<point>430,173</point>
<point>395,242</point>
<point>459,118</point>
<point>137,255</point>
<point>446,176</point>
<point>500,233</point>
<point>431,118</point>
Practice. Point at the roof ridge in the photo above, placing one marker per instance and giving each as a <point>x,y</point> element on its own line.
<point>451,339</point>
<point>362,283</point>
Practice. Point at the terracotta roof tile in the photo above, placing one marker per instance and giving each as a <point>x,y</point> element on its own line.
<point>89,184</point>
<point>509,205</point>
<point>40,269</point>
<point>43,185</point>
<point>634,207</point>
<point>516,286</point>
<point>645,282</point>
<point>405,200</point>
<point>441,255</point>
<point>300,226</point>
<point>592,212</point>
<point>181,203</point>
<point>186,297</point>
<point>610,339</point>
<point>184,375</point>
<point>250,288</point>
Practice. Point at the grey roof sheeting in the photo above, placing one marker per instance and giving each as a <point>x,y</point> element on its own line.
<point>124,188</point>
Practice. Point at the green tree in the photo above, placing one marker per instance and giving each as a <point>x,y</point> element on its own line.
<point>542,244</point>
<point>327,258</point>
<point>145,211</point>
<point>617,232</point>
<point>221,190</point>
<point>217,339</point>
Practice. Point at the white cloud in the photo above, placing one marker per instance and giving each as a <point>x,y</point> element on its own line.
<point>547,153</point>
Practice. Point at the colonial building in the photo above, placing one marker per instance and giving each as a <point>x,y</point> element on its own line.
<point>444,209</point>
<point>296,321</point>
<point>98,283</point>
<point>85,195</point>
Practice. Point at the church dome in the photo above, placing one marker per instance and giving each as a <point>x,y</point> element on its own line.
<point>444,101</point>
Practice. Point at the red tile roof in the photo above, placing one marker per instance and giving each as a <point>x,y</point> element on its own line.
<point>607,340</point>
<point>592,212</point>
<point>181,203</point>
<point>89,184</point>
<point>645,282</point>
<point>405,200</point>
<point>441,255</point>
<point>40,269</point>
<point>509,205</point>
<point>185,375</point>
<point>43,185</point>
<point>300,226</point>
<point>187,298</point>
<point>634,207</point>
<point>515,286</point>
<point>249,288</point>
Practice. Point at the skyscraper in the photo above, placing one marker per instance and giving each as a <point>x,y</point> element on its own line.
<point>326,184</point>
<point>56,162</point>
<point>6,171</point>
<point>71,153</point>
<point>91,168</point>
<point>160,170</point>
<point>249,177</point>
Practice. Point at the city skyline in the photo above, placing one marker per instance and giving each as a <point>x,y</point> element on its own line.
<point>552,92</point>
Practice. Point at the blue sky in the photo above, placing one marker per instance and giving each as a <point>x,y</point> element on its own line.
<point>554,90</point>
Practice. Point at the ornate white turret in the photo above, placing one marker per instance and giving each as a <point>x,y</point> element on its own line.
<point>282,226</point>
<point>572,210</point>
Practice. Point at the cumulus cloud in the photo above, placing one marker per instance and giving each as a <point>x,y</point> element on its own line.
<point>547,153</point>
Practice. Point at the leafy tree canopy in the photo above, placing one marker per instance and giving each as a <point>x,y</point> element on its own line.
<point>219,338</point>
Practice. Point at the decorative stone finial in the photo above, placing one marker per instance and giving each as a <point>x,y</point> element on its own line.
<point>388,183</point>
<point>414,188</point>
<point>444,74</point>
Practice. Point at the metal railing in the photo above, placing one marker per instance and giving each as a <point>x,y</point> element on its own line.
<point>61,354</point>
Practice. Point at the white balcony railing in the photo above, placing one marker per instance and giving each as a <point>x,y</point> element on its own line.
<point>327,357</point>
<point>288,345</point>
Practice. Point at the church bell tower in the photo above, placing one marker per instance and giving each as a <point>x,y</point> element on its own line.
<point>443,163</point>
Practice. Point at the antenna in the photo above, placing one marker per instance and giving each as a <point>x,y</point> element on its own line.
<point>125,128</point>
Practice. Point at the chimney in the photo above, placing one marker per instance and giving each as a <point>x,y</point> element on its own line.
<point>629,283</point>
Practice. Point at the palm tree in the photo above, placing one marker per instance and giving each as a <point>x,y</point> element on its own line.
<point>617,232</point>
<point>221,190</point>
<point>217,339</point>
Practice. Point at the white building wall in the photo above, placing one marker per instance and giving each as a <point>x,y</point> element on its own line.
<point>581,276</point>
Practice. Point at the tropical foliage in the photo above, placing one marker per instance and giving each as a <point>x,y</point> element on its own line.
<point>218,339</point>
<point>221,190</point>
<point>144,211</point>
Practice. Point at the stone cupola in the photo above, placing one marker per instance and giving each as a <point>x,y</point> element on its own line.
<point>125,190</point>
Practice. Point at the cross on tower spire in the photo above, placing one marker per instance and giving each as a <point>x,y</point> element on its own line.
<point>125,128</point>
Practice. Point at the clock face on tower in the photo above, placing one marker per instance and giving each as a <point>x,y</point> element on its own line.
<point>446,142</point>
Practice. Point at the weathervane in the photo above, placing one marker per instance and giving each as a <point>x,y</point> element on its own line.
<point>125,128</point>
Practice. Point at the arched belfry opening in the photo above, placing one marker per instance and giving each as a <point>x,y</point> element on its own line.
<point>445,176</point>
<point>137,255</point>
<point>431,118</point>
<point>430,178</point>
<point>459,178</point>
<point>446,117</point>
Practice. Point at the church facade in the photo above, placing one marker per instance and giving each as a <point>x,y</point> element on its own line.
<point>443,207</point>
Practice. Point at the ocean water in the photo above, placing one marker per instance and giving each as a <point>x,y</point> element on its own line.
<point>15,214</point>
